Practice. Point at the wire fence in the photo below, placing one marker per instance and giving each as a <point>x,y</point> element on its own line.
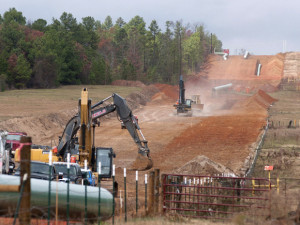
<point>223,197</point>
<point>285,123</point>
<point>59,201</point>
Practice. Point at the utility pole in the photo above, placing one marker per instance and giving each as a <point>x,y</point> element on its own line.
<point>211,48</point>
<point>180,54</point>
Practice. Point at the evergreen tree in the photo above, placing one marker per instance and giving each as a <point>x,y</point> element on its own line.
<point>22,72</point>
<point>68,52</point>
<point>40,25</point>
<point>107,23</point>
<point>12,15</point>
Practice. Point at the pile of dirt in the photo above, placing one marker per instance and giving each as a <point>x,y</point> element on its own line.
<point>201,165</point>
<point>268,88</point>
<point>274,66</point>
<point>43,129</point>
<point>128,83</point>
<point>266,97</point>
<point>160,97</point>
<point>47,127</point>
<point>259,100</point>
<point>169,90</point>
<point>134,100</point>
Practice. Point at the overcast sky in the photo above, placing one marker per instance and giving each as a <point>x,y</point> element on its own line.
<point>259,26</point>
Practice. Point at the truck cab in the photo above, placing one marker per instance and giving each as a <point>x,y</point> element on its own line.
<point>75,172</point>
<point>12,141</point>
<point>87,174</point>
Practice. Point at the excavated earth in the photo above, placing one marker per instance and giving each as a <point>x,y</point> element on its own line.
<point>217,140</point>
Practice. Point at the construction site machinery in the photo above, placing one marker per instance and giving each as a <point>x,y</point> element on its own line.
<point>184,105</point>
<point>7,164</point>
<point>84,148</point>
<point>196,103</point>
<point>86,121</point>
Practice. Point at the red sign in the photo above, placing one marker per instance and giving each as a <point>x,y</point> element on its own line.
<point>268,167</point>
<point>226,51</point>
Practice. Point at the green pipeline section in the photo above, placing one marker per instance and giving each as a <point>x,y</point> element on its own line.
<point>39,199</point>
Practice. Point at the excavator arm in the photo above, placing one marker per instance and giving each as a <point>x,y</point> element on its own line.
<point>68,136</point>
<point>125,114</point>
<point>86,119</point>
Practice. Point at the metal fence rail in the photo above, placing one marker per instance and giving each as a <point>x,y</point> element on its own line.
<point>215,197</point>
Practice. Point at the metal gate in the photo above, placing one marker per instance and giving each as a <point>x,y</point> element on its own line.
<point>215,197</point>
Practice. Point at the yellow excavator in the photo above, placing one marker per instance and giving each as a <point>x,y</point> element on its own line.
<point>85,121</point>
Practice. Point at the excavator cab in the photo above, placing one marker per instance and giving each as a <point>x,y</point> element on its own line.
<point>188,102</point>
<point>105,156</point>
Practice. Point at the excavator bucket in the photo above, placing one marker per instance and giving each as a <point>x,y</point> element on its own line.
<point>142,163</point>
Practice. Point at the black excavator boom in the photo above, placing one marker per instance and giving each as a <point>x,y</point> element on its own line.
<point>119,104</point>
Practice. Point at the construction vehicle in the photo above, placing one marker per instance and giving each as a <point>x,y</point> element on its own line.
<point>88,118</point>
<point>183,105</point>
<point>85,121</point>
<point>196,103</point>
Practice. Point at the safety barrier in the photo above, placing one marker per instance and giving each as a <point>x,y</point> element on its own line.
<point>215,197</point>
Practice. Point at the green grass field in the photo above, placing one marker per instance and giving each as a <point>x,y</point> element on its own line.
<point>65,93</point>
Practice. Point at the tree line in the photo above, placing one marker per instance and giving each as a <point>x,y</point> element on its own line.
<point>40,55</point>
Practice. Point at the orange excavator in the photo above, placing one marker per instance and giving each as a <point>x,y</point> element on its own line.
<point>86,121</point>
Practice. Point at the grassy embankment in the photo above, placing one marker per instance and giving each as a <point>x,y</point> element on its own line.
<point>40,101</point>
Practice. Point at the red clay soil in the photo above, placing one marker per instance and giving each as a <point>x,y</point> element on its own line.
<point>265,97</point>
<point>241,72</point>
<point>251,104</point>
<point>238,68</point>
<point>268,88</point>
<point>223,139</point>
<point>169,90</point>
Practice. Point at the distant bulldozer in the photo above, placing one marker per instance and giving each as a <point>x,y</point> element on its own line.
<point>196,103</point>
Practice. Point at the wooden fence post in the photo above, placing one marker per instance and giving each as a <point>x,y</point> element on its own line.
<point>25,214</point>
<point>156,190</point>
<point>151,193</point>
